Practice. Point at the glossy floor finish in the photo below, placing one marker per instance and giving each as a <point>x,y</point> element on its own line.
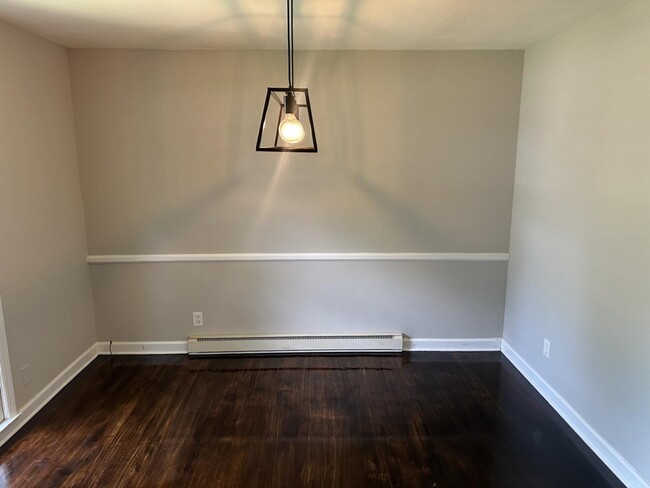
<point>421,420</point>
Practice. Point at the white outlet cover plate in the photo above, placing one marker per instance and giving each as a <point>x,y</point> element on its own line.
<point>197,319</point>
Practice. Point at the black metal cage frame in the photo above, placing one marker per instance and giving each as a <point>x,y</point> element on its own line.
<point>273,93</point>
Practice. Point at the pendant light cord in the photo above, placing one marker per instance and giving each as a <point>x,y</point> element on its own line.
<point>290,41</point>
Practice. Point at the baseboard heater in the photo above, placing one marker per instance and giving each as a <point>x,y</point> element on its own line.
<point>286,344</point>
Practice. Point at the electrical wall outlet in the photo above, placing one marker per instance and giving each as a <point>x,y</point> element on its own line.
<point>547,348</point>
<point>197,319</point>
<point>26,375</point>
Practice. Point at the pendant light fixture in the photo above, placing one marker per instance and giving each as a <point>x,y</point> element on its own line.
<point>287,124</point>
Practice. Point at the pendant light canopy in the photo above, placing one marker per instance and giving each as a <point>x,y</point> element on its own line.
<point>287,123</point>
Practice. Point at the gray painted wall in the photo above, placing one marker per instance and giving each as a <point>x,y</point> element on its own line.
<point>44,281</point>
<point>580,247</point>
<point>151,302</point>
<point>417,154</point>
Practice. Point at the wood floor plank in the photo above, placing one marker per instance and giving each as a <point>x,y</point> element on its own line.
<point>441,420</point>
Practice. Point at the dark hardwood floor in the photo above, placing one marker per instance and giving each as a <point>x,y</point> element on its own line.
<point>420,420</point>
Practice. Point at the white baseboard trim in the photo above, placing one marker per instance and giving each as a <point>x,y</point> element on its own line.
<point>489,344</point>
<point>298,256</point>
<point>143,348</point>
<point>410,344</point>
<point>13,425</point>
<point>603,449</point>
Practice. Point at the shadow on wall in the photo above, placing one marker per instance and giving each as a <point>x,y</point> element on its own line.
<point>343,126</point>
<point>366,188</point>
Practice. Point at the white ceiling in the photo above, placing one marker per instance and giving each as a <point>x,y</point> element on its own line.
<point>319,24</point>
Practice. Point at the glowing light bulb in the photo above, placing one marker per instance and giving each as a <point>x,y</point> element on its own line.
<point>291,129</point>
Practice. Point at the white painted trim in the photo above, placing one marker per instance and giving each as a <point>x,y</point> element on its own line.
<point>410,344</point>
<point>297,256</point>
<point>6,380</point>
<point>140,348</point>
<point>603,449</point>
<point>14,424</point>
<point>489,344</point>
